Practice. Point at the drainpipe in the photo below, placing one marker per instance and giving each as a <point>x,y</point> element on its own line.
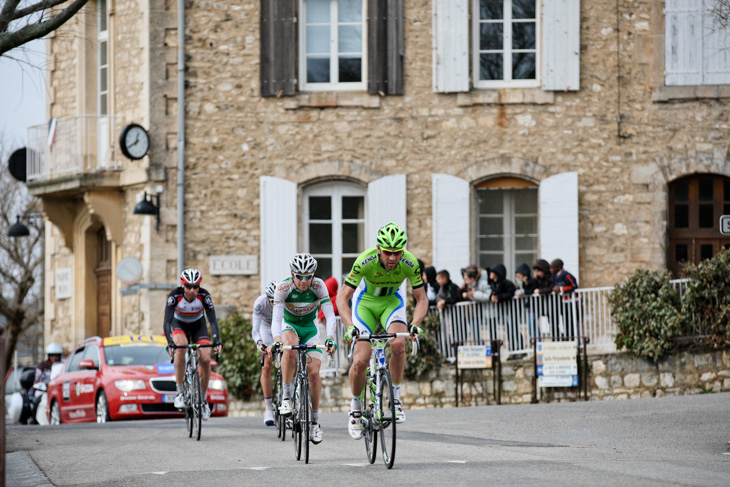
<point>180,135</point>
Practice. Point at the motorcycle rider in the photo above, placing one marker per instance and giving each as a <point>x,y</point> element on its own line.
<point>43,369</point>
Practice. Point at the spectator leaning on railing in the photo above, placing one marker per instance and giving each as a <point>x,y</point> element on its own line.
<point>476,284</point>
<point>432,286</point>
<point>566,284</point>
<point>448,292</point>
<point>543,276</point>
<point>502,288</point>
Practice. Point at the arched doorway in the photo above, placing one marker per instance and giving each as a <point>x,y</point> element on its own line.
<point>103,273</point>
<point>695,206</point>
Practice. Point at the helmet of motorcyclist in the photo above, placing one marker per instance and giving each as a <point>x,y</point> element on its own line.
<point>54,349</point>
<point>27,378</point>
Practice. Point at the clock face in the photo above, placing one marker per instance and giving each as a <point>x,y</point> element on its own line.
<point>136,142</point>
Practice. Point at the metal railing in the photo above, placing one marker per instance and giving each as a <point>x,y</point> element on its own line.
<point>73,145</point>
<point>584,313</point>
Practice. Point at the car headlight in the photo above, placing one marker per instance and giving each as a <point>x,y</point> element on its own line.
<point>129,385</point>
<point>217,385</point>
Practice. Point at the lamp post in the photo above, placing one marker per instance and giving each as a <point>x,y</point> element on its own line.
<point>19,229</point>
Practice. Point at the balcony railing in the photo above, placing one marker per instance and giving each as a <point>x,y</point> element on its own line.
<point>72,146</point>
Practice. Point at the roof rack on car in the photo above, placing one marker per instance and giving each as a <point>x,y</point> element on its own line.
<point>91,339</point>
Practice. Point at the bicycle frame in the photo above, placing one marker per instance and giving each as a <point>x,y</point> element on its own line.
<point>191,388</point>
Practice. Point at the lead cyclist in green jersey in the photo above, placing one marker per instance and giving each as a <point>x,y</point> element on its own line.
<point>376,285</point>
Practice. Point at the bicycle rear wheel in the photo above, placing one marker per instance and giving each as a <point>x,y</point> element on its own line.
<point>368,417</point>
<point>304,419</point>
<point>387,419</point>
<point>197,406</point>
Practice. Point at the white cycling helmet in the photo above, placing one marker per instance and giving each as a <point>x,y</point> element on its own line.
<point>270,289</point>
<point>191,276</point>
<point>303,264</point>
<point>54,349</point>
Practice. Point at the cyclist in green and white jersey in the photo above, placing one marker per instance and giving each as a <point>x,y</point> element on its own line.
<point>297,300</point>
<point>377,287</point>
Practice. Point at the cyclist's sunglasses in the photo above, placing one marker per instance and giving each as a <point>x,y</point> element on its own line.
<point>192,286</point>
<point>304,278</point>
<point>391,251</point>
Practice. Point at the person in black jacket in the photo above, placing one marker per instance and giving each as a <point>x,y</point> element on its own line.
<point>502,288</point>
<point>448,292</point>
<point>545,309</point>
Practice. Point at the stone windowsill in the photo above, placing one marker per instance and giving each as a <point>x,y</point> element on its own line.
<point>506,96</point>
<point>331,100</point>
<point>669,93</point>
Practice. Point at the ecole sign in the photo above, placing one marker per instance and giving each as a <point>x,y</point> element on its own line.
<point>233,265</point>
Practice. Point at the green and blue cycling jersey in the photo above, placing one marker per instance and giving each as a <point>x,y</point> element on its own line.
<point>379,297</point>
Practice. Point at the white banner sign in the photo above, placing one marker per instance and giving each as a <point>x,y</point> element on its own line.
<point>558,381</point>
<point>64,286</point>
<point>474,357</point>
<point>233,265</point>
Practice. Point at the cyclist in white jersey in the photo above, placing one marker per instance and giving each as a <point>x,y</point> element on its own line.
<point>296,302</point>
<point>261,333</point>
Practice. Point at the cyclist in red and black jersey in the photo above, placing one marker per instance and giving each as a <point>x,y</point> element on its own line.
<point>184,317</point>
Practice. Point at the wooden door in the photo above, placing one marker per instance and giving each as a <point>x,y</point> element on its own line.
<point>103,273</point>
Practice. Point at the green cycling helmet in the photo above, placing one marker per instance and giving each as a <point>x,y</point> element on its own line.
<point>391,236</point>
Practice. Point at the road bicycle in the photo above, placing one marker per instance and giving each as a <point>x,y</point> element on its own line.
<point>300,421</point>
<point>191,389</point>
<point>378,415</point>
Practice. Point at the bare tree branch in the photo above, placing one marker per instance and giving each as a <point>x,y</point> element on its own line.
<point>44,5</point>
<point>35,28</point>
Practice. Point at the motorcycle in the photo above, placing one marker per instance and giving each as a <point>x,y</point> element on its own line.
<point>29,405</point>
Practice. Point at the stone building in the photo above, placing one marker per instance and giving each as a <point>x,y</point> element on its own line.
<point>494,130</point>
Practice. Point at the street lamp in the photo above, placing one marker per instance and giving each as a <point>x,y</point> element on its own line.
<point>18,229</point>
<point>147,207</point>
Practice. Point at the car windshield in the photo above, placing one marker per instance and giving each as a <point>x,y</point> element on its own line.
<point>136,354</point>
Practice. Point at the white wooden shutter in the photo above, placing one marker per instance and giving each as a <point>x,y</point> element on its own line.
<point>450,228</point>
<point>561,45</point>
<point>683,42</point>
<point>386,203</point>
<point>558,210</point>
<point>716,49</point>
<point>450,46</point>
<point>278,214</point>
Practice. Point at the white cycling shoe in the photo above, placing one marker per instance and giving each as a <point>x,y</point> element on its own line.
<point>316,435</point>
<point>205,411</point>
<point>180,401</point>
<point>285,408</point>
<point>354,424</point>
<point>269,417</point>
<point>400,415</point>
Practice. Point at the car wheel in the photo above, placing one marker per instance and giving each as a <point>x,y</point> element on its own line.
<point>102,408</point>
<point>55,413</point>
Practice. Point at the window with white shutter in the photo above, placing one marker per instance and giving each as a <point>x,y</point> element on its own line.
<point>513,44</point>
<point>558,220</point>
<point>278,212</point>
<point>697,49</point>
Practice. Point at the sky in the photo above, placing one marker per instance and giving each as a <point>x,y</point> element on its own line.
<point>22,92</point>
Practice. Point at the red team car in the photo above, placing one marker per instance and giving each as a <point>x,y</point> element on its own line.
<point>122,377</point>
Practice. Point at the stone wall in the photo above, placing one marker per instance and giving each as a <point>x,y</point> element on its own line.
<point>612,377</point>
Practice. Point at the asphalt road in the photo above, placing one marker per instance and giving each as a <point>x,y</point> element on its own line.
<point>648,442</point>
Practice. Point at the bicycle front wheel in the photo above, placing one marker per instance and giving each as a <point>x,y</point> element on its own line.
<point>188,409</point>
<point>296,425</point>
<point>304,419</point>
<point>368,420</point>
<point>276,402</point>
<point>387,418</point>
<point>197,406</point>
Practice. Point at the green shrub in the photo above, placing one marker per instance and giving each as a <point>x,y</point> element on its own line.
<point>429,355</point>
<point>648,313</point>
<point>239,361</point>
<point>706,304</point>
